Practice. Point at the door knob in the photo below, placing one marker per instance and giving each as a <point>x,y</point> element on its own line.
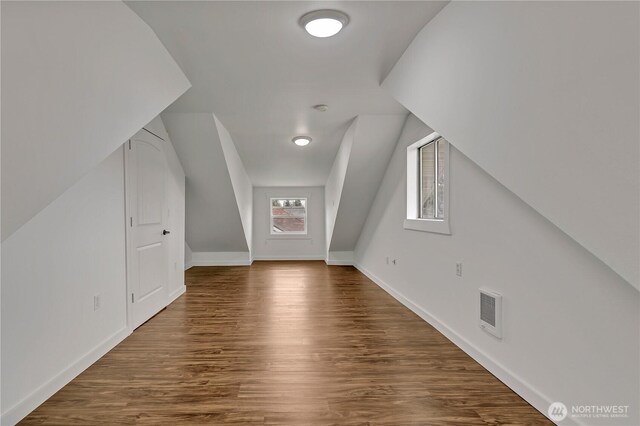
<point>165,232</point>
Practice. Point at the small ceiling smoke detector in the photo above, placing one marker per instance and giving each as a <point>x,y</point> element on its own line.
<point>321,107</point>
<point>324,23</point>
<point>302,140</point>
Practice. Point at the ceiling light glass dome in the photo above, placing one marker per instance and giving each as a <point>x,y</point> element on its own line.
<point>324,23</point>
<point>302,140</point>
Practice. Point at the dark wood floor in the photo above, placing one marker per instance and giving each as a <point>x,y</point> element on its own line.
<point>285,343</point>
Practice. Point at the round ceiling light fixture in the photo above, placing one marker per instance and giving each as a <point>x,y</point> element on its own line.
<point>321,107</point>
<point>324,23</point>
<point>302,140</point>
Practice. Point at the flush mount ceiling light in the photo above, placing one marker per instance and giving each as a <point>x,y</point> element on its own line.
<point>324,23</point>
<point>321,107</point>
<point>302,140</point>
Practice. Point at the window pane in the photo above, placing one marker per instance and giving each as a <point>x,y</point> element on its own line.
<point>288,224</point>
<point>427,181</point>
<point>441,182</point>
<point>288,215</point>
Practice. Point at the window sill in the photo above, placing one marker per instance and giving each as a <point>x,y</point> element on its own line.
<point>289,237</point>
<point>426,225</point>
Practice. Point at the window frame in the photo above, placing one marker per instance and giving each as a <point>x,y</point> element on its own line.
<point>413,220</point>
<point>289,233</point>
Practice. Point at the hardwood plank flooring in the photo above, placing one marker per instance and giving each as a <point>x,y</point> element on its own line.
<point>285,343</point>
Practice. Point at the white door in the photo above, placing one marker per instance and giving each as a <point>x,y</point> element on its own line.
<point>147,264</point>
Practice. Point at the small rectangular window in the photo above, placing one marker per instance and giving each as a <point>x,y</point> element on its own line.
<point>432,168</point>
<point>288,216</point>
<point>428,185</point>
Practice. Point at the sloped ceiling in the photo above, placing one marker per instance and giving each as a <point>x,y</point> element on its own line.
<point>57,123</point>
<point>254,67</point>
<point>373,140</point>
<point>553,117</point>
<point>242,187</point>
<point>335,182</point>
<point>213,219</point>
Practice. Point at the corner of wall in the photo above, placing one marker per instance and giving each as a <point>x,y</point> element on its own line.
<point>240,181</point>
<point>335,181</point>
<point>343,258</point>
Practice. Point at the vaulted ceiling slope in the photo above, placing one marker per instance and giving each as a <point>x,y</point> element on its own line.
<point>356,176</point>
<point>78,79</point>
<point>335,181</point>
<point>242,186</point>
<point>554,117</point>
<point>254,66</point>
<point>214,212</point>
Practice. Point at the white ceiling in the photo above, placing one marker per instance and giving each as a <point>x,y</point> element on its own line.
<point>253,66</point>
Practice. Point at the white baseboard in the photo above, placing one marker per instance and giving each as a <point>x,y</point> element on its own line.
<point>339,262</point>
<point>534,397</point>
<point>177,293</point>
<point>288,257</point>
<point>16,413</point>
<point>220,258</point>
<point>340,258</point>
<point>188,265</point>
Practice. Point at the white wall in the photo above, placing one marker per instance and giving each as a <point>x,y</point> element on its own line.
<point>213,219</point>
<point>267,246</point>
<point>353,181</point>
<point>373,143</point>
<point>544,97</point>
<point>571,329</point>
<point>51,269</point>
<point>1,411</point>
<point>74,86</point>
<point>188,255</point>
<point>55,264</point>
<point>220,258</point>
<point>242,187</point>
<point>335,181</point>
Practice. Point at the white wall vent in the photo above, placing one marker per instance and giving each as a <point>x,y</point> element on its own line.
<point>491,312</point>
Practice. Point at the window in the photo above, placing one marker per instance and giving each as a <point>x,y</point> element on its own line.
<point>288,216</point>
<point>432,180</point>
<point>427,185</point>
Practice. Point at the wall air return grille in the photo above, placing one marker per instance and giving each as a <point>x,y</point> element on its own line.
<point>491,312</point>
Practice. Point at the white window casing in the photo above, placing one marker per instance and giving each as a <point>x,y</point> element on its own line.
<point>413,221</point>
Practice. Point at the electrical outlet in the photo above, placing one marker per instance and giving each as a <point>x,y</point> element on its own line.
<point>459,269</point>
<point>96,302</point>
